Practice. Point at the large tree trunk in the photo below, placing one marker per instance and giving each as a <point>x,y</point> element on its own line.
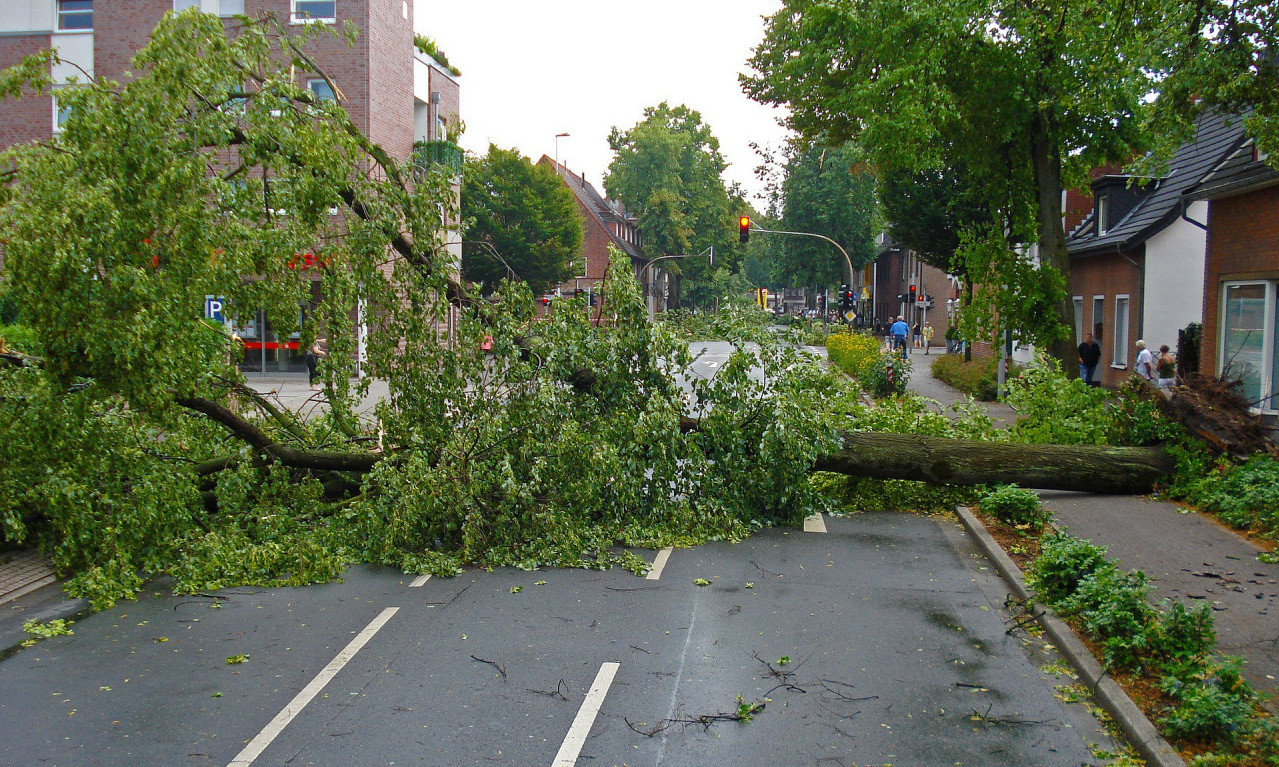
<point>1087,468</point>
<point>1046,159</point>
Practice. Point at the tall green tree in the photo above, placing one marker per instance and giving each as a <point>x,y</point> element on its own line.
<point>523,212</point>
<point>1031,93</point>
<point>667,170</point>
<point>827,191</point>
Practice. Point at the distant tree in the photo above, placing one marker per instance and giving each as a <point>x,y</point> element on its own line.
<point>668,172</point>
<point>523,212</point>
<point>1030,93</point>
<point>826,191</point>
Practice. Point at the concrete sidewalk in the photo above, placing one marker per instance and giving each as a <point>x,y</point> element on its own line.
<point>1188,556</point>
<point>923,383</point>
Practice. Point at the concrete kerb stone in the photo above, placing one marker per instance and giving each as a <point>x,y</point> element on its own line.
<point>1139,730</point>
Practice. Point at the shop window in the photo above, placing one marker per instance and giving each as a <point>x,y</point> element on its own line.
<point>1248,345</point>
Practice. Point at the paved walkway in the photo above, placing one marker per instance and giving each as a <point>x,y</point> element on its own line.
<point>1188,556</point>
<point>922,382</point>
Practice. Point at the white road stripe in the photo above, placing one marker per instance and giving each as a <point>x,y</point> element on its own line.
<point>815,524</point>
<point>256,746</point>
<point>418,581</point>
<point>659,562</point>
<point>576,738</point>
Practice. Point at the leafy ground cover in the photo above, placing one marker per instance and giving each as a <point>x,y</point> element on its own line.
<point>1163,654</point>
<point>977,378</point>
<point>862,357</point>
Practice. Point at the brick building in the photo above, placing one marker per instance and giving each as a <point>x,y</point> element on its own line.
<point>399,97</point>
<point>607,222</point>
<point>1137,256</point>
<point>1241,277</point>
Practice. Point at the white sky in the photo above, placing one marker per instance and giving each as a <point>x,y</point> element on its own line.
<point>535,68</point>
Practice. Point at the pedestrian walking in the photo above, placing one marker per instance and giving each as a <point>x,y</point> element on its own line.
<point>900,332</point>
<point>318,350</point>
<point>928,336</point>
<point>1089,356</point>
<point>1145,363</point>
<point>1166,368</point>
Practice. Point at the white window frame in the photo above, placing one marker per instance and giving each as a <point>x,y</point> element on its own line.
<point>1119,346</point>
<point>294,18</point>
<point>313,82</point>
<point>60,14</point>
<point>1098,315</point>
<point>57,112</point>
<point>229,8</point>
<point>1078,302</point>
<point>181,5</point>
<point>1268,383</point>
<point>1103,205</point>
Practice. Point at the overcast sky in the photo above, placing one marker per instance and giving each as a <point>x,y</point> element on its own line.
<point>535,68</point>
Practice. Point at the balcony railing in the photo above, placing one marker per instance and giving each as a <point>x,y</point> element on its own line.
<point>429,154</point>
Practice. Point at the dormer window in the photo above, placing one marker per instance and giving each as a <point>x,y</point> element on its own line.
<point>1103,206</point>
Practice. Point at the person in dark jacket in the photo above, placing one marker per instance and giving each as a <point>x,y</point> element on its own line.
<point>1089,356</point>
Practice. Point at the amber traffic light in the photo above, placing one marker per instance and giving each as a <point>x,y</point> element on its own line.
<point>744,229</point>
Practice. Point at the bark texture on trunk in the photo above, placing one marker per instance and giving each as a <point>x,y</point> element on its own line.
<point>1086,468</point>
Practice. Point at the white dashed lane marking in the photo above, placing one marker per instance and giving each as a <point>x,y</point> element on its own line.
<point>659,562</point>
<point>418,581</point>
<point>576,738</point>
<point>273,728</point>
<point>815,524</point>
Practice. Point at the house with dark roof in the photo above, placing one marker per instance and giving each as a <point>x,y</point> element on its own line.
<point>1241,275</point>
<point>1137,258</point>
<point>607,222</point>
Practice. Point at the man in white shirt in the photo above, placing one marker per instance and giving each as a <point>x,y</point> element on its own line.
<point>1145,363</point>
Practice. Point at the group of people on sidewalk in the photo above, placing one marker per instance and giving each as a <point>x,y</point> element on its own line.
<point>920,337</point>
<point>1160,371</point>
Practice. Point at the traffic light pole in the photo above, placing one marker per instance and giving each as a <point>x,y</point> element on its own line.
<point>648,297</point>
<point>844,253</point>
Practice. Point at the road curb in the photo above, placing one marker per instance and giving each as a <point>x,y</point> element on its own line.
<point>1150,745</point>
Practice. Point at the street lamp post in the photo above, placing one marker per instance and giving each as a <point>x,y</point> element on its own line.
<point>847,260</point>
<point>648,297</point>
<point>558,136</point>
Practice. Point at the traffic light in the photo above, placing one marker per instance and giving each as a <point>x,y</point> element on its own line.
<point>744,229</point>
<point>912,294</point>
<point>546,300</point>
<point>844,293</point>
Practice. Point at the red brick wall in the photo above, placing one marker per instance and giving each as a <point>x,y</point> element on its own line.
<point>120,30</point>
<point>1243,243</point>
<point>29,118</point>
<point>1109,276</point>
<point>387,47</point>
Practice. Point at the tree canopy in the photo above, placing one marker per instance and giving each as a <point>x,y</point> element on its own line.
<point>667,170</point>
<point>1029,94</point>
<point>523,212</point>
<point>826,191</point>
<point>130,443</point>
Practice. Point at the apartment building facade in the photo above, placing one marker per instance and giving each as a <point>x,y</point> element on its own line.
<point>398,96</point>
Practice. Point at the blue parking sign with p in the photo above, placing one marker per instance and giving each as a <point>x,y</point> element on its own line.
<point>213,308</point>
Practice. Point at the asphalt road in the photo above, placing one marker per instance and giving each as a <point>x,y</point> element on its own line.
<point>891,627</point>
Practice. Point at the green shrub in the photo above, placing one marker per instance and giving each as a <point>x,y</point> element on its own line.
<point>976,379</point>
<point>1014,506</point>
<point>1063,562</point>
<point>1183,636</point>
<point>850,351</point>
<point>1134,417</point>
<point>1115,609</point>
<point>1056,410</point>
<point>1215,705</point>
<point>1245,496</point>
<point>885,374</point>
<point>18,337</point>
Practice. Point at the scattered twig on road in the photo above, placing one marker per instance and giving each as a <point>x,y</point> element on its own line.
<point>744,713</point>
<point>641,649</point>
<point>825,684</point>
<point>762,570</point>
<point>558,692</point>
<point>986,718</point>
<point>494,664</point>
